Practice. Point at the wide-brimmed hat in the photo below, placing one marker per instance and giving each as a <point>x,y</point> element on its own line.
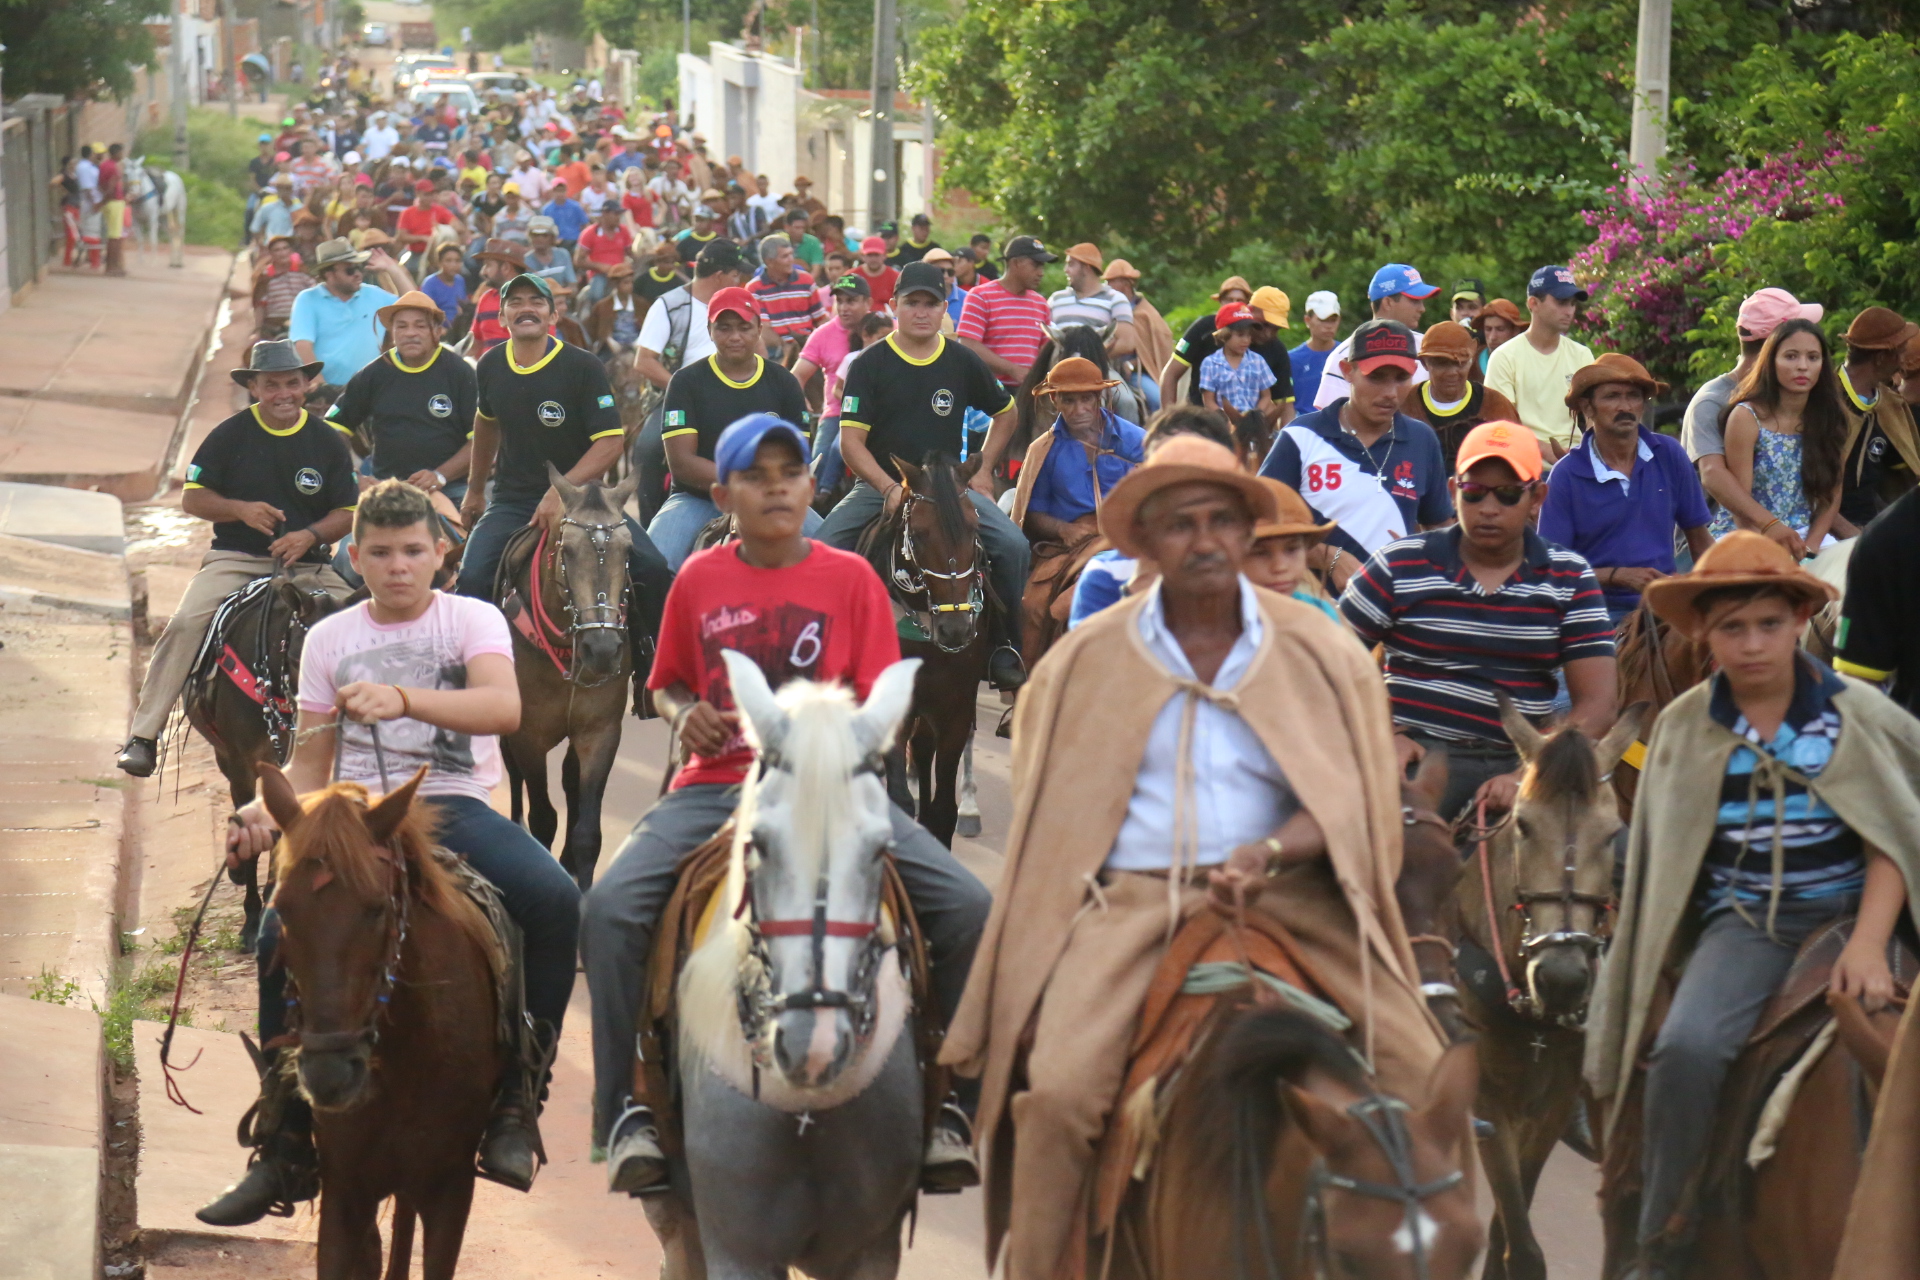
<point>1292,516</point>
<point>1087,254</point>
<point>1880,329</point>
<point>1614,367</point>
<point>374,238</point>
<point>1181,460</point>
<point>333,253</point>
<point>1075,373</point>
<point>1232,282</point>
<point>1120,269</point>
<point>1500,309</point>
<point>412,300</point>
<point>620,271</point>
<point>510,252</point>
<point>1741,559</point>
<point>1448,338</point>
<point>274,357</point>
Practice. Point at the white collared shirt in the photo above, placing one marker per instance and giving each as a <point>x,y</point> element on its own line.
<point>1603,473</point>
<point>1239,793</point>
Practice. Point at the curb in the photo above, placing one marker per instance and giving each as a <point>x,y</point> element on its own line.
<point>190,391</point>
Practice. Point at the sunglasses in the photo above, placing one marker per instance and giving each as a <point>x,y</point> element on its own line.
<point>1472,492</point>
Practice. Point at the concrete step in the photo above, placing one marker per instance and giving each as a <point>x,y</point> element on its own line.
<point>50,1117</point>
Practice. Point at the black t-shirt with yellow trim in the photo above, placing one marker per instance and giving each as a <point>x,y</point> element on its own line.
<point>1879,636</point>
<point>911,408</point>
<point>304,470</point>
<point>417,417</point>
<point>689,245</point>
<point>550,411</point>
<point>703,401</point>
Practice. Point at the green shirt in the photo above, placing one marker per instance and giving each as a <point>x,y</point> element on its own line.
<point>808,250</point>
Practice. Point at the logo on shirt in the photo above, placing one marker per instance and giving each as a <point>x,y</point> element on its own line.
<point>551,413</point>
<point>849,404</point>
<point>1877,448</point>
<point>677,417</point>
<point>193,472</point>
<point>440,406</point>
<point>606,402</point>
<point>943,402</point>
<point>307,480</point>
<point>1403,485</point>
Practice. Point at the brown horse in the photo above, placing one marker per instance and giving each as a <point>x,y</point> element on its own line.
<point>1429,873</point>
<point>1657,663</point>
<point>396,1025</point>
<point>1535,907</point>
<point>1276,1157</point>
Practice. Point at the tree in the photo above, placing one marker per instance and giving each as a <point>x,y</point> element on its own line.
<point>74,48</point>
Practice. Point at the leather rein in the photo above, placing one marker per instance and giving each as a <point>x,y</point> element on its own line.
<point>908,577</point>
<point>1414,816</point>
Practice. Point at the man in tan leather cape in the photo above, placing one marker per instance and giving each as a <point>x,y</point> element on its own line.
<point>1202,735</point>
<point>1816,783</point>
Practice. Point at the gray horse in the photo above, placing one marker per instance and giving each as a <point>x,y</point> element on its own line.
<point>801,1094</point>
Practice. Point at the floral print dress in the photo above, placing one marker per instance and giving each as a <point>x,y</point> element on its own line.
<point>1776,484</point>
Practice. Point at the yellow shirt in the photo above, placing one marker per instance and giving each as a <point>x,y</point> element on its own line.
<point>1537,384</point>
<point>478,175</point>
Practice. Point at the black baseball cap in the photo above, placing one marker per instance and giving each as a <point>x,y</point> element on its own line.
<point>1384,342</point>
<point>922,220</point>
<point>1028,247</point>
<point>921,277</point>
<point>1468,287</point>
<point>854,283</point>
<point>887,229</point>
<point>719,255</point>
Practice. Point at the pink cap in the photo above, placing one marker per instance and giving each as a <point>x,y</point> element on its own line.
<point>1768,309</point>
<point>873,244</point>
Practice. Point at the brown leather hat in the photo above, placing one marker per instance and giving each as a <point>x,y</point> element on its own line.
<point>1741,559</point>
<point>1880,329</point>
<point>1075,373</point>
<point>1449,339</point>
<point>1502,308</point>
<point>1230,283</point>
<point>1181,460</point>
<point>412,300</point>
<point>1613,367</point>
<point>1087,253</point>
<point>511,252</point>
<point>1292,516</point>
<point>1121,269</point>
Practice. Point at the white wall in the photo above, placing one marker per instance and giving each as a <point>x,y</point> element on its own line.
<point>696,92</point>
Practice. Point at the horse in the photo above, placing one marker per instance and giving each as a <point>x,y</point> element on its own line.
<point>1429,874</point>
<point>396,1028</point>
<point>240,694</point>
<point>929,555</point>
<point>1068,340</point>
<point>802,1103</point>
<point>158,198</point>
<point>1270,1117</point>
<point>1657,663</point>
<point>1534,907</point>
<point>573,677</point>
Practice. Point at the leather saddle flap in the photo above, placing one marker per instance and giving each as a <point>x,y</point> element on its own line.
<point>1806,982</point>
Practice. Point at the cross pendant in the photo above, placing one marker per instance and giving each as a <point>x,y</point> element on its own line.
<point>806,1117</point>
<point>1539,1046</point>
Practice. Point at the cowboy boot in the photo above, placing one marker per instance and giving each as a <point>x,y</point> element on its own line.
<point>511,1152</point>
<point>284,1168</point>
<point>139,757</point>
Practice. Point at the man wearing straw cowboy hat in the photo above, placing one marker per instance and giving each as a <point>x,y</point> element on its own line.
<point>1729,889</point>
<point>500,262</point>
<point>416,402</point>
<point>335,324</point>
<point>1255,712</point>
<point>279,488</point>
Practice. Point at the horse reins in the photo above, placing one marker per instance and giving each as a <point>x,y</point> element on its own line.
<point>1413,816</point>
<point>1385,1120</point>
<point>601,615</point>
<point>911,577</point>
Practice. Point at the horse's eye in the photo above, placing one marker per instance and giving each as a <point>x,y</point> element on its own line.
<point>1525,828</point>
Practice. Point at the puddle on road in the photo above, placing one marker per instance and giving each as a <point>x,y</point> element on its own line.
<point>159,528</point>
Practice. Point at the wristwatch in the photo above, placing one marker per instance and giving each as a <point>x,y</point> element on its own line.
<point>1275,852</point>
<point>440,479</point>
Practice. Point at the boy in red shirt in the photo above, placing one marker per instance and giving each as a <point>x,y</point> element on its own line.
<point>416,224</point>
<point>800,609</point>
<point>874,269</point>
<point>604,245</point>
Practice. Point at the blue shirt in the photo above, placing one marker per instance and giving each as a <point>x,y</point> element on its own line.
<point>956,297</point>
<point>345,334</point>
<point>1620,521</point>
<point>569,217</point>
<point>1416,473</point>
<point>447,297</point>
<point>1308,365</point>
<point>272,218</point>
<point>624,161</point>
<point>1064,487</point>
<point>1101,585</point>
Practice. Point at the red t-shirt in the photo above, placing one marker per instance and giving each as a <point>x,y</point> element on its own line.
<point>641,208</point>
<point>415,225</point>
<point>882,284</point>
<point>826,618</point>
<point>606,248</point>
<point>488,332</point>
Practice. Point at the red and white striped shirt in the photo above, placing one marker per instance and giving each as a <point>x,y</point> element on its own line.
<point>1012,325</point>
<point>793,309</point>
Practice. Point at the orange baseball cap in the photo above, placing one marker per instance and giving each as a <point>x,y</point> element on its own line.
<point>1510,442</point>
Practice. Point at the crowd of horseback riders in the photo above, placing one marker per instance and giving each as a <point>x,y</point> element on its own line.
<point>1364,696</point>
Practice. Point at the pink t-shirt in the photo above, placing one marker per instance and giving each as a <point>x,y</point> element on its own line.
<point>431,652</point>
<point>826,348</point>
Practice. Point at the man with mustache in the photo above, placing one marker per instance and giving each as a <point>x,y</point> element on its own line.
<point>1617,498</point>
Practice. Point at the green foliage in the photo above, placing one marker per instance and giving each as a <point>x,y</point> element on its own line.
<point>144,995</point>
<point>51,988</point>
<point>218,149</point>
<point>75,48</point>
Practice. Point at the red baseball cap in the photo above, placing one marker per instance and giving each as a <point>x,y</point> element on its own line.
<point>1231,314</point>
<point>735,300</point>
<point>1379,342</point>
<point>423,188</point>
<point>873,244</point>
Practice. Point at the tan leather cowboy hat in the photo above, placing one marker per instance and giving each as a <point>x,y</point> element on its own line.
<point>1120,269</point>
<point>1613,367</point>
<point>1292,516</point>
<point>1088,254</point>
<point>1075,373</point>
<point>510,252</point>
<point>1741,559</point>
<point>1181,460</point>
<point>1232,282</point>
<point>333,253</point>
<point>412,300</point>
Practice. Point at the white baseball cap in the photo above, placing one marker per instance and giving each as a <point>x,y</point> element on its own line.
<point>1323,304</point>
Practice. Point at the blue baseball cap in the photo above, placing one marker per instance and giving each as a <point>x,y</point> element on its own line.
<point>1398,277</point>
<point>1556,282</point>
<point>740,441</point>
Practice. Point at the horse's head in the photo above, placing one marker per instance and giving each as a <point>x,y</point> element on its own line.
<point>941,548</point>
<point>820,825</point>
<point>344,876</point>
<point>1559,859</point>
<point>590,543</point>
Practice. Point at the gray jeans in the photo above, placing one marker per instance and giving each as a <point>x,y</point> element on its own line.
<point>616,934</point>
<point>1732,973</point>
<point>1468,765</point>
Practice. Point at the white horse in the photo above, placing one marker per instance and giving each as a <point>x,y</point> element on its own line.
<point>158,198</point>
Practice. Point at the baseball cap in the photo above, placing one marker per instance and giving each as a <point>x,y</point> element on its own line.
<point>1323,303</point>
<point>887,229</point>
<point>854,283</point>
<point>1271,305</point>
<point>718,255</point>
<point>921,277</point>
<point>1768,309</point>
<point>733,300</point>
<point>1398,277</point>
<point>743,436</point>
<point>936,255</point>
<point>1379,342</point>
<point>511,188</point>
<point>1028,247</point>
<point>1510,442</point>
<point>265,137</point>
<point>527,277</point>
<point>423,188</point>
<point>542,223</point>
<point>1231,314</point>
<point>1469,288</point>
<point>1556,282</point>
<point>873,244</point>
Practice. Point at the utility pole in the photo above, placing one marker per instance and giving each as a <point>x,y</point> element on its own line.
<point>228,51</point>
<point>181,88</point>
<point>883,196</point>
<point>686,30</point>
<point>1651,95</point>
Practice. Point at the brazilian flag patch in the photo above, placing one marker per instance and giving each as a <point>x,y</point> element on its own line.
<point>1840,636</point>
<point>849,404</point>
<point>606,402</point>
<point>677,417</point>
<point>193,472</point>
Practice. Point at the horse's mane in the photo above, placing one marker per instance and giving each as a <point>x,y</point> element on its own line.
<point>943,485</point>
<point>1634,649</point>
<point>1074,340</point>
<point>334,834</point>
<point>1565,768</point>
<point>821,753</point>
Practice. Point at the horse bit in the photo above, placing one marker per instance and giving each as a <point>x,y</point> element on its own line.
<point>1527,1003</point>
<point>602,614</point>
<point>911,577</point>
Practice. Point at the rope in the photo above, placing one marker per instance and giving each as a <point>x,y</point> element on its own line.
<point>1186,823</point>
<point>1496,943</point>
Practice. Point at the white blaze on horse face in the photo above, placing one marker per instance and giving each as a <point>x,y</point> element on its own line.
<point>1419,1228</point>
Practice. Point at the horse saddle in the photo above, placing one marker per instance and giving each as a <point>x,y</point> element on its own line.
<point>1214,966</point>
<point>683,925</point>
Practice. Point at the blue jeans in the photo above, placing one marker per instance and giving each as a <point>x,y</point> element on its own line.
<point>487,542</point>
<point>683,517</point>
<point>1146,388</point>
<point>828,466</point>
<point>456,491</point>
<point>542,899</point>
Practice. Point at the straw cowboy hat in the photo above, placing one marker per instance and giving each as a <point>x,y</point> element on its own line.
<point>274,357</point>
<point>412,300</point>
<point>1741,559</point>
<point>1179,461</point>
<point>1075,373</point>
<point>333,253</point>
<point>1292,517</point>
<point>1613,367</point>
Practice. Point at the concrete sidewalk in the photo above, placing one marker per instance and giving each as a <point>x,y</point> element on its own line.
<point>100,372</point>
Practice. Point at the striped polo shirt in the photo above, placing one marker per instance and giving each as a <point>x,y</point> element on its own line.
<point>1011,325</point>
<point>1452,646</point>
<point>793,309</point>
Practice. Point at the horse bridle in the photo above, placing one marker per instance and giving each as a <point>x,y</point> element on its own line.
<point>602,614</point>
<point>277,706</point>
<point>1527,1003</point>
<point>911,577</point>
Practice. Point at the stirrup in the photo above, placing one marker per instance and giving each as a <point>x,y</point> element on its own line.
<point>644,1171</point>
<point>948,1165</point>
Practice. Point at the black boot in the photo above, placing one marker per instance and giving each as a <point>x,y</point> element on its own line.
<point>1005,671</point>
<point>139,757</point>
<point>284,1169</point>
<point>511,1153</point>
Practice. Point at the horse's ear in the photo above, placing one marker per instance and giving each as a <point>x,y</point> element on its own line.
<point>618,495</point>
<point>1527,740</point>
<point>911,476</point>
<point>1326,1126</point>
<point>278,793</point>
<point>765,723</point>
<point>886,705</point>
<point>969,469</point>
<point>1053,334</point>
<point>1450,1095</point>
<point>1622,735</point>
<point>569,491</point>
<point>1430,779</point>
<point>385,818</point>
